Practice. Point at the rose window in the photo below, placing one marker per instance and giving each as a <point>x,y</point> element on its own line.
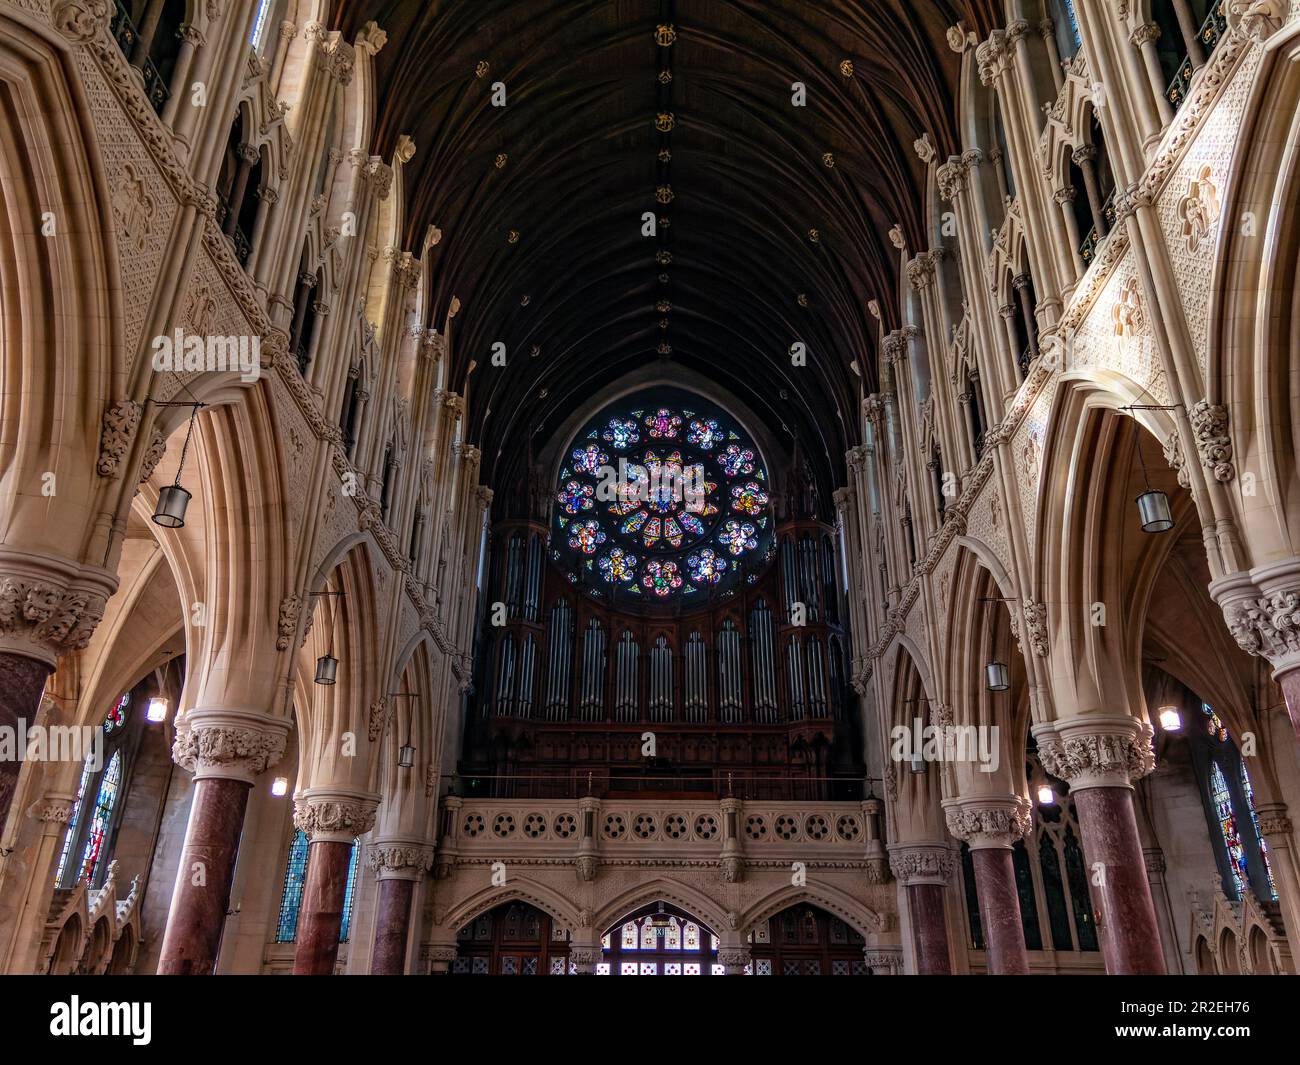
<point>662,500</point>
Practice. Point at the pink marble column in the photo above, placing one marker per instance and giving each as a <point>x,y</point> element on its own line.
<point>1290,684</point>
<point>207,869</point>
<point>22,680</point>
<point>392,924</point>
<point>320,917</point>
<point>1004,935</point>
<point>929,929</point>
<point>1130,936</point>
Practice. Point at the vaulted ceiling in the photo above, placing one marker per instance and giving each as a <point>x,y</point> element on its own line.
<point>771,218</point>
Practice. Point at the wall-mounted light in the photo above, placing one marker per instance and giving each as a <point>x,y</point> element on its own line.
<point>280,787</point>
<point>1170,719</point>
<point>173,500</point>
<point>157,709</point>
<point>406,756</point>
<point>998,676</point>
<point>1046,796</point>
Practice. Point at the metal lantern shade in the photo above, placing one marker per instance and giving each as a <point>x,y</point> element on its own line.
<point>999,679</point>
<point>406,756</point>
<point>172,503</point>
<point>327,669</point>
<point>1153,507</point>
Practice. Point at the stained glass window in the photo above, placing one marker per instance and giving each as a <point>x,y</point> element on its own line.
<point>662,498</point>
<point>349,893</point>
<point>72,826</point>
<point>1222,800</point>
<point>101,815</point>
<point>117,716</point>
<point>286,928</point>
<point>1249,792</point>
<point>295,876</point>
<point>259,23</point>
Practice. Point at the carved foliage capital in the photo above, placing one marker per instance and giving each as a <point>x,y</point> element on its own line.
<point>337,818</point>
<point>1098,757</point>
<point>229,750</point>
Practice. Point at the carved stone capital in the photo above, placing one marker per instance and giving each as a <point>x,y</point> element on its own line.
<point>228,744</point>
<point>334,815</point>
<point>49,606</point>
<point>925,863</point>
<point>1092,751</point>
<point>989,822</point>
<point>400,859</point>
<point>52,809</point>
<point>884,962</point>
<point>1147,33</point>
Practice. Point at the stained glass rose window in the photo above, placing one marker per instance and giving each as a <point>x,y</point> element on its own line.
<point>662,497</point>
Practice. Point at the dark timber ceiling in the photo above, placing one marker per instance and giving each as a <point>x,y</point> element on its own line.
<point>547,249</point>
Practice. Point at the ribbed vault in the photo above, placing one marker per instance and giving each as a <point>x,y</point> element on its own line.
<point>540,202</point>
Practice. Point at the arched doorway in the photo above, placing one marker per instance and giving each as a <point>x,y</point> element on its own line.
<point>803,940</point>
<point>659,940</point>
<point>513,939</point>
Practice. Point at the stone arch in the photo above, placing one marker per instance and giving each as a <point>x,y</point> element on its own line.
<point>521,888</point>
<point>67,948</point>
<point>864,920</point>
<point>686,896</point>
<point>1089,463</point>
<point>408,809</point>
<point>235,471</point>
<point>1254,309</point>
<point>981,631</point>
<point>343,626</point>
<point>62,294</point>
<point>1204,957</point>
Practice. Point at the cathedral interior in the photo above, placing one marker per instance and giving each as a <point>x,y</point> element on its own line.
<point>649,487</point>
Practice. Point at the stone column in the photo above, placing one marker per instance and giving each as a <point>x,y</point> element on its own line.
<point>1191,33</point>
<point>583,957</point>
<point>924,871</point>
<point>332,819</point>
<point>1100,757</point>
<point>1085,158</point>
<point>1144,38</point>
<point>1064,196</point>
<point>239,187</point>
<point>397,864</point>
<point>226,750</point>
<point>48,608</point>
<point>733,953</point>
<point>990,825</point>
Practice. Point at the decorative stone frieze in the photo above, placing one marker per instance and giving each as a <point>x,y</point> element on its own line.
<point>228,744</point>
<point>1091,751</point>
